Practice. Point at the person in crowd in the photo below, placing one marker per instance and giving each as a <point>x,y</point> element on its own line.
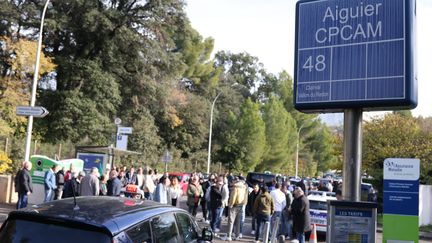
<point>205,185</point>
<point>161,193</point>
<point>148,186</point>
<point>114,184</point>
<point>194,193</point>
<point>50,183</point>
<point>122,178</point>
<point>68,174</point>
<point>300,213</point>
<point>322,187</point>
<point>60,183</point>
<point>280,203</point>
<point>103,188</point>
<point>237,201</point>
<point>24,185</point>
<point>302,186</point>
<point>286,216</point>
<point>155,176</point>
<point>90,183</point>
<point>140,178</point>
<point>253,195</point>
<point>73,186</point>
<point>263,209</point>
<point>131,176</point>
<point>175,191</point>
<point>215,196</point>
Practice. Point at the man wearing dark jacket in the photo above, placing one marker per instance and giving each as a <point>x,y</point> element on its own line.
<point>300,213</point>
<point>73,185</point>
<point>114,184</point>
<point>60,180</point>
<point>25,185</point>
<point>252,197</point>
<point>216,204</point>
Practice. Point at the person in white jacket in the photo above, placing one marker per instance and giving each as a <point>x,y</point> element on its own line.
<point>279,199</point>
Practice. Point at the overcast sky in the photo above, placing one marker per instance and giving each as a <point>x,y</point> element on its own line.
<point>265,29</point>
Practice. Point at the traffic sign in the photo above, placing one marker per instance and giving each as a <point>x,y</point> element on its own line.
<point>124,130</point>
<point>35,111</point>
<point>167,157</point>
<point>355,54</point>
<point>117,121</point>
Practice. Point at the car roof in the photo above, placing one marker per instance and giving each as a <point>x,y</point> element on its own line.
<point>321,196</point>
<point>111,214</point>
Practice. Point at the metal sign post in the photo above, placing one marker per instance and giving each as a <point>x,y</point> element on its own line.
<point>166,158</point>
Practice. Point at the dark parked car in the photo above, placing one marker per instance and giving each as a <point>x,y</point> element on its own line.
<point>102,219</point>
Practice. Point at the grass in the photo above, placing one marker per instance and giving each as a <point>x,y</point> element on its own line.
<point>380,219</point>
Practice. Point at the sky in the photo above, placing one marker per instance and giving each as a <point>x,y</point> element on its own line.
<point>265,29</point>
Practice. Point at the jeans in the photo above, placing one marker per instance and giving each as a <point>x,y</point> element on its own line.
<point>22,200</point>
<point>148,195</point>
<point>260,220</point>
<point>242,218</point>
<point>49,195</point>
<point>301,237</point>
<point>253,222</point>
<point>216,218</point>
<point>274,218</point>
<point>193,209</point>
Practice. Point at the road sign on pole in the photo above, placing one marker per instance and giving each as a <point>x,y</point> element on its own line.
<point>124,130</point>
<point>355,55</point>
<point>35,111</point>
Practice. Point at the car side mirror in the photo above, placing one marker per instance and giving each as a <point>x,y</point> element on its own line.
<point>207,235</point>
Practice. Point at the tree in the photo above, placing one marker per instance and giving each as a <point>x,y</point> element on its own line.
<point>280,136</point>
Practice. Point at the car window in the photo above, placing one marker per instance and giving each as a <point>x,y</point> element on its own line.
<point>17,231</point>
<point>164,228</point>
<point>140,233</point>
<point>318,205</point>
<point>187,228</point>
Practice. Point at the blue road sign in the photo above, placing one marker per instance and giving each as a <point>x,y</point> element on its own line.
<point>355,54</point>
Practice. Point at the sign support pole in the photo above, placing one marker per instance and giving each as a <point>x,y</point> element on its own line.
<point>352,154</point>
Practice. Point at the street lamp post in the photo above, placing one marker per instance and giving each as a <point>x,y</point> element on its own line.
<point>34,88</point>
<point>297,150</point>
<point>210,134</point>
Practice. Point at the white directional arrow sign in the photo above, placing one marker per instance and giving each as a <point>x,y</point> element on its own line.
<point>35,111</point>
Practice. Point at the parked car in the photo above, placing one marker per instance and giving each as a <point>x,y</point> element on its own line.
<point>318,209</point>
<point>260,178</point>
<point>183,179</point>
<point>102,220</point>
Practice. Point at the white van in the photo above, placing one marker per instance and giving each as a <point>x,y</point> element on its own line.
<point>318,208</point>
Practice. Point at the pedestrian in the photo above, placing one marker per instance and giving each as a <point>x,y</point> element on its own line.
<point>90,183</point>
<point>72,187</point>
<point>175,191</point>
<point>131,176</point>
<point>140,178</point>
<point>300,213</point>
<point>263,209</point>
<point>161,193</point>
<point>24,185</point>
<point>237,201</point>
<point>216,205</point>
<point>286,216</point>
<point>103,189</point>
<point>194,193</point>
<point>148,186</point>
<point>68,174</point>
<point>114,184</point>
<point>122,178</point>
<point>205,185</point>
<point>50,183</point>
<point>280,203</point>
<point>253,195</point>
<point>339,195</point>
<point>60,183</point>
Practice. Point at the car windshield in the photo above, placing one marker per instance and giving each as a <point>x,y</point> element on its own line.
<point>253,178</point>
<point>318,205</point>
<point>17,231</point>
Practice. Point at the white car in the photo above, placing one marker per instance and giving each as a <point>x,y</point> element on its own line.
<point>318,209</point>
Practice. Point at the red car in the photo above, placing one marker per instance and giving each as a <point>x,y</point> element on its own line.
<point>183,180</point>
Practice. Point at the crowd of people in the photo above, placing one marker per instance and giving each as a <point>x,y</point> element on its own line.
<point>285,206</point>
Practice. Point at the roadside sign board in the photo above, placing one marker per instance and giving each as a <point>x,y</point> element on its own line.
<point>122,141</point>
<point>35,111</point>
<point>401,200</point>
<point>355,54</point>
<point>124,130</point>
<point>167,157</point>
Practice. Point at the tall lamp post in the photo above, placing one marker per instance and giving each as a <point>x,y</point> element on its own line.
<point>210,134</point>
<point>34,88</point>
<point>297,150</point>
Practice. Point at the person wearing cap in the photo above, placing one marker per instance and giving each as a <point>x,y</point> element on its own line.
<point>300,213</point>
<point>24,184</point>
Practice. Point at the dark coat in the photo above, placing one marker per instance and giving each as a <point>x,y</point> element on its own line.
<point>132,179</point>
<point>300,214</point>
<point>60,179</point>
<point>25,183</point>
<point>114,186</point>
<point>71,186</point>
<point>215,197</point>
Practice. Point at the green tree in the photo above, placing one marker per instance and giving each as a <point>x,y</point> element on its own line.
<point>280,136</point>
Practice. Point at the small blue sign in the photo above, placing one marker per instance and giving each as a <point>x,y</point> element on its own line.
<point>353,213</point>
<point>354,54</point>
